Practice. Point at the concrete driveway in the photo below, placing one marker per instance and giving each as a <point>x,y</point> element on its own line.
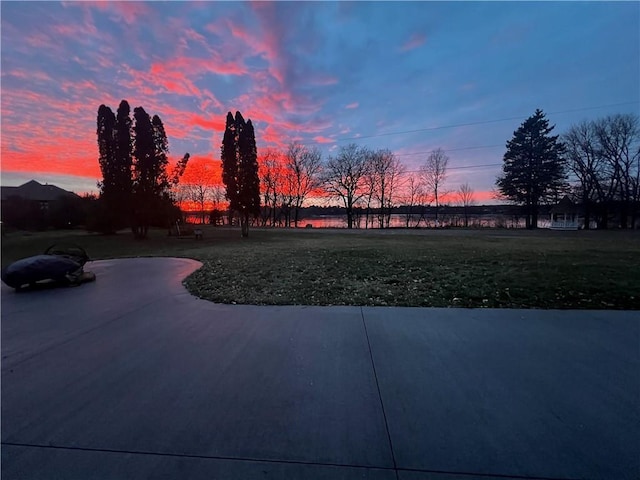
<point>132,377</point>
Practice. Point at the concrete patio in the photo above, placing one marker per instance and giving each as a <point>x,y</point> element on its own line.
<point>132,377</point>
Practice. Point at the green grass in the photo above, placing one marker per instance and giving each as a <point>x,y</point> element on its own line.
<point>466,268</point>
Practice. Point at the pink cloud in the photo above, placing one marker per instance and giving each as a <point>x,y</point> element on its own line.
<point>353,105</point>
<point>216,123</point>
<point>416,40</point>
<point>129,12</point>
<point>267,45</point>
<point>321,139</point>
<point>75,30</point>
<point>323,80</point>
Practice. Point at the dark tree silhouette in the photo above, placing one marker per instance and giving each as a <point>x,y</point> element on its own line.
<point>433,174</point>
<point>150,180</point>
<point>604,157</point>
<point>465,198</point>
<point>136,189</point>
<point>249,182</point>
<point>107,151</point>
<point>123,164</point>
<point>533,168</point>
<point>344,177</point>
<point>239,156</point>
<point>302,168</point>
<point>229,157</point>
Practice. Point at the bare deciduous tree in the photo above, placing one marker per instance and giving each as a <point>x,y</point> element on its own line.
<point>197,185</point>
<point>343,177</point>
<point>271,180</point>
<point>387,171</point>
<point>433,173</point>
<point>604,157</point>
<point>465,198</point>
<point>617,137</point>
<point>411,198</point>
<point>584,162</point>
<point>303,169</point>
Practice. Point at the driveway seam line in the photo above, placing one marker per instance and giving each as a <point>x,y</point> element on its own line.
<point>194,456</point>
<point>375,375</point>
<point>270,460</point>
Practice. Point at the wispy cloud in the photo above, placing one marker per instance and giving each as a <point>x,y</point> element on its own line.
<point>416,40</point>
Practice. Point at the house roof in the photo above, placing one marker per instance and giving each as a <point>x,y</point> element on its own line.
<point>564,206</point>
<point>33,190</point>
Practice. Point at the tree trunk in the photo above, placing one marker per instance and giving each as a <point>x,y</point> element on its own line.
<point>244,225</point>
<point>587,215</point>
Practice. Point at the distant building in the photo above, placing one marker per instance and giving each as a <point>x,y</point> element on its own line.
<point>34,206</point>
<point>564,215</point>
<point>35,191</point>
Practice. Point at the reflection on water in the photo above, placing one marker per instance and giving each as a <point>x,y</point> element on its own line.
<point>401,221</point>
<point>404,221</point>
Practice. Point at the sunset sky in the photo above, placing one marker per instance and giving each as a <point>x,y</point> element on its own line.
<point>410,77</point>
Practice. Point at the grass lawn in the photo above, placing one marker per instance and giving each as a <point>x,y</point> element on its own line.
<point>465,268</point>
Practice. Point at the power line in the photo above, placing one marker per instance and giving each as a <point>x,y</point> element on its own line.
<point>449,150</point>
<point>484,122</point>
<point>463,167</point>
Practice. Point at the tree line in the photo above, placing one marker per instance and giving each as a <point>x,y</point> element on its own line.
<point>596,163</point>
<point>135,190</point>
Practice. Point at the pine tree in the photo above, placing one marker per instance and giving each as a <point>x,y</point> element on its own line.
<point>533,166</point>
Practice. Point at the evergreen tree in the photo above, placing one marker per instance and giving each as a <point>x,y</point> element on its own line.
<point>249,182</point>
<point>161,160</point>
<point>136,189</point>
<point>229,156</point>
<point>533,167</point>
<point>109,185</point>
<point>240,169</point>
<point>143,173</point>
<point>123,163</point>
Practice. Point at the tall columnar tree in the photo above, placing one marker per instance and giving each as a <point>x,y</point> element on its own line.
<point>533,168</point>
<point>240,169</point>
<point>109,186</point>
<point>229,157</point>
<point>123,163</point>
<point>133,158</point>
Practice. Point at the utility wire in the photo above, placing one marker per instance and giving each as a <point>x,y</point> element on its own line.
<point>449,150</point>
<point>484,122</point>
<point>463,167</point>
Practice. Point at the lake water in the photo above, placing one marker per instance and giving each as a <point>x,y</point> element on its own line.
<point>400,221</point>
